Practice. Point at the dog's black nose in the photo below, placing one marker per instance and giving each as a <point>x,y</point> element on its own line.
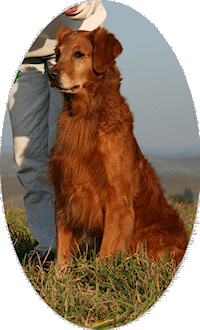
<point>54,74</point>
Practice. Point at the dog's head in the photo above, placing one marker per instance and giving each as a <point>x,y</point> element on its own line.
<point>82,57</point>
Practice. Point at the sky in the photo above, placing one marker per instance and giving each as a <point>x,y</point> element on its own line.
<point>153,83</point>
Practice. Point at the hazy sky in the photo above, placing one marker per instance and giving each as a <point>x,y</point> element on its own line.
<point>153,83</point>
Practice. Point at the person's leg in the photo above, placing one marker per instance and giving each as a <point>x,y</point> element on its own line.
<point>29,109</point>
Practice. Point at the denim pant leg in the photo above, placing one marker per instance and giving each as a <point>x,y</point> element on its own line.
<point>29,111</point>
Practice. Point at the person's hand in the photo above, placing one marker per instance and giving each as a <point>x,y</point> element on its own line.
<point>70,10</point>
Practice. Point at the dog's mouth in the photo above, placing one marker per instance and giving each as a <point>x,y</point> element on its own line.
<point>74,89</point>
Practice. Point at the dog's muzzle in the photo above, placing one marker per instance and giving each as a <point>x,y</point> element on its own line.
<point>54,75</point>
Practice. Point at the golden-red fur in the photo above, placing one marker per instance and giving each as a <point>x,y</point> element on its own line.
<point>103,184</point>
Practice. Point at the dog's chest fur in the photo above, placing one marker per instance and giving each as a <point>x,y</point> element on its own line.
<point>90,154</point>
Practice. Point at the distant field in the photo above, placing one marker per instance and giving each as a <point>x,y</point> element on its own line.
<point>188,166</point>
<point>176,174</point>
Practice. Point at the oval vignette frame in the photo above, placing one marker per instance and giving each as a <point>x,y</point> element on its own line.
<point>30,308</point>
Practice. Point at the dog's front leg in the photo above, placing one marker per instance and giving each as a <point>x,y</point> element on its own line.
<point>66,244</point>
<point>118,230</point>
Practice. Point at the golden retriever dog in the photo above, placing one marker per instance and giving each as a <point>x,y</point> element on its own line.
<point>103,185</point>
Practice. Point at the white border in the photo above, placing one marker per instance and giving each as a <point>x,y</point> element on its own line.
<point>178,21</point>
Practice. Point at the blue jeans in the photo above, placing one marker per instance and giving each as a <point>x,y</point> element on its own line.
<point>34,107</point>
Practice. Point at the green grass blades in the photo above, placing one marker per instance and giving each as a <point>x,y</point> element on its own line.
<point>97,295</point>
<point>19,74</point>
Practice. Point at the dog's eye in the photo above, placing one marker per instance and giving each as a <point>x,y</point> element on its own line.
<point>78,54</point>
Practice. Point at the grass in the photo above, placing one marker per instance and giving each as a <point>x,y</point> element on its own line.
<point>96,295</point>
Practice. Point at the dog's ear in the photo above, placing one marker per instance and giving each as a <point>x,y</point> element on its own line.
<point>62,33</point>
<point>105,49</point>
